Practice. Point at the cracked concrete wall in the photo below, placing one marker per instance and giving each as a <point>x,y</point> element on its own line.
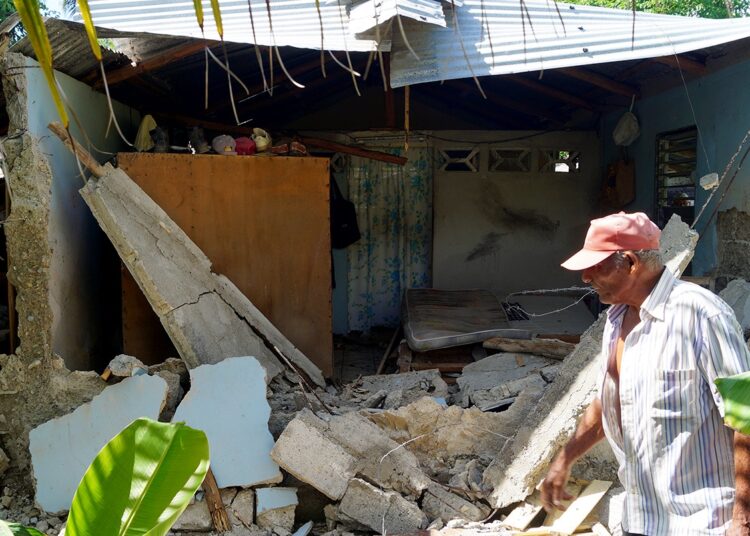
<point>53,263</point>
<point>733,237</point>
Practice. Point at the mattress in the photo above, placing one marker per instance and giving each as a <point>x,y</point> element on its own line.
<point>436,319</point>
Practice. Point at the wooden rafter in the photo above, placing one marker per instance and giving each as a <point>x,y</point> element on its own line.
<point>682,62</point>
<point>487,114</point>
<point>297,71</point>
<point>518,106</point>
<point>122,74</point>
<point>552,92</point>
<point>599,80</point>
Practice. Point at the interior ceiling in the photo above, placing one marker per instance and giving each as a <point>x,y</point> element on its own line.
<point>168,79</point>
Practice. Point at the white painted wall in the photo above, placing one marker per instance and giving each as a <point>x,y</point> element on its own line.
<point>83,294</point>
<point>481,236</point>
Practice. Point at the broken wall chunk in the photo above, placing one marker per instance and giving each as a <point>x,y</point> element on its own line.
<point>228,402</point>
<point>356,446</point>
<point>62,449</point>
<point>305,451</point>
<point>438,503</point>
<point>382,511</point>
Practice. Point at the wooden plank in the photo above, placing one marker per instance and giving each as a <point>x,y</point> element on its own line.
<point>554,348</point>
<point>219,515</point>
<point>522,516</point>
<point>600,530</point>
<point>682,62</point>
<point>575,490</point>
<point>576,513</point>
<point>552,92</point>
<point>264,223</point>
<point>599,80</point>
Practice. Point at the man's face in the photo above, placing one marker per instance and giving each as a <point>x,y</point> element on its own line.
<point>609,278</point>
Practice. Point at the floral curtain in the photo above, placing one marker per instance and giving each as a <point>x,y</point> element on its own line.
<point>394,213</point>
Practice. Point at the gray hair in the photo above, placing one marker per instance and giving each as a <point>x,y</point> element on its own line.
<point>651,258</point>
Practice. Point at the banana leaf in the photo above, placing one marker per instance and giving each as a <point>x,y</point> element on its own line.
<point>735,391</point>
<point>14,529</point>
<point>140,482</point>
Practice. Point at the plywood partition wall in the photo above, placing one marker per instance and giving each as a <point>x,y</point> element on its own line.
<point>263,222</point>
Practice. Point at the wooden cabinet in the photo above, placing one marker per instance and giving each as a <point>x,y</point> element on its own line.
<point>263,222</point>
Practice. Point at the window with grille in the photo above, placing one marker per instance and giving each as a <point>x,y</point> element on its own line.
<point>675,175</point>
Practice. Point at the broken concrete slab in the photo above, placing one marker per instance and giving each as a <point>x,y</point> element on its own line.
<point>524,461</point>
<point>382,511</point>
<point>205,315</point>
<point>439,435</point>
<point>275,508</point>
<point>228,402</point>
<point>506,393</point>
<point>496,370</point>
<point>551,348</point>
<point>356,446</point>
<point>438,503</point>
<point>62,449</point>
<point>305,451</point>
<point>410,385</point>
<point>737,296</point>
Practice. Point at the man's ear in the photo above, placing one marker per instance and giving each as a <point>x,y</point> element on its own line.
<point>633,260</point>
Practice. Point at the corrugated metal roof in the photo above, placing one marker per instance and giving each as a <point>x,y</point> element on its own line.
<point>295,22</point>
<point>499,38</point>
<point>365,16</point>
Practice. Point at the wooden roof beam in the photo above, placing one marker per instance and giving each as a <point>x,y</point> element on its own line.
<point>552,92</point>
<point>510,104</point>
<point>599,80</point>
<point>682,62</point>
<point>117,76</point>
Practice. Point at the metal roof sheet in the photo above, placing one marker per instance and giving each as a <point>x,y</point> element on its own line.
<point>499,38</point>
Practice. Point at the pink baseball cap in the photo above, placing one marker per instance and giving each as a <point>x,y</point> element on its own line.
<point>616,232</point>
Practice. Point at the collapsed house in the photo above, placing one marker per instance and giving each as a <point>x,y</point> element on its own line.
<point>225,262</point>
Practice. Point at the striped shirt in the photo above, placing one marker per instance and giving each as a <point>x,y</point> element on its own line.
<point>676,457</point>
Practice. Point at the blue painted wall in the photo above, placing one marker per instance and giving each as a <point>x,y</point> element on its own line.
<point>721,102</point>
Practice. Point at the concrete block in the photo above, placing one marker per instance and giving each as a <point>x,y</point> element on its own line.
<point>737,295</point>
<point>63,448</point>
<point>275,508</point>
<point>304,451</point>
<point>355,446</point>
<point>196,517</point>
<point>228,402</point>
<point>243,506</point>
<point>381,511</point>
<point>438,503</point>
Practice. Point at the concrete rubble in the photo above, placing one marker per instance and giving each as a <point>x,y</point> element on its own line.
<point>387,454</point>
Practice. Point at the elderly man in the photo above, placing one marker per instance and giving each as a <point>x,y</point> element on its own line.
<point>665,342</point>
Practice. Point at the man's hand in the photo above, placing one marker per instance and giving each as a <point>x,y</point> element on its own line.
<point>553,486</point>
